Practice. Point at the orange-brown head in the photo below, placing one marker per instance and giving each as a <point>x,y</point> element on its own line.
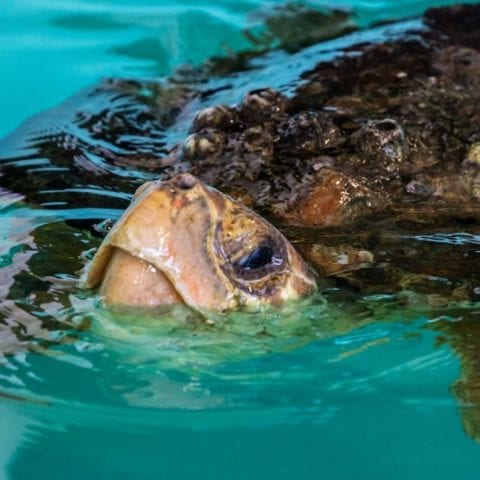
<point>181,241</point>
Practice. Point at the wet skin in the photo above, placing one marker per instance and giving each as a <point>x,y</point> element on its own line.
<point>181,241</point>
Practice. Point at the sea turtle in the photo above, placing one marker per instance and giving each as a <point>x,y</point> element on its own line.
<point>183,242</point>
<point>363,151</point>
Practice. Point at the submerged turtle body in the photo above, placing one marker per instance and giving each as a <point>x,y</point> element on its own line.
<point>379,129</point>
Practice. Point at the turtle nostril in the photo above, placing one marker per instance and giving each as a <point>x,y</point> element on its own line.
<point>184,181</point>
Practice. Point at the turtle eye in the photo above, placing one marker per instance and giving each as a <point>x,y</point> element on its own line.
<point>258,258</point>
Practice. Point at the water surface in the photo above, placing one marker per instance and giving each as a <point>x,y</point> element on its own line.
<point>319,389</point>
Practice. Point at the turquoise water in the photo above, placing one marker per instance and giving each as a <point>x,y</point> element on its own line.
<point>52,49</point>
<point>312,391</point>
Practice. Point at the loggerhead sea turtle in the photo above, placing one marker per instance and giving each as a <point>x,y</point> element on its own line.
<point>183,242</point>
<point>362,151</point>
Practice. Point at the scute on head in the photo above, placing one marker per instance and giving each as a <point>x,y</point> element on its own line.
<point>181,241</point>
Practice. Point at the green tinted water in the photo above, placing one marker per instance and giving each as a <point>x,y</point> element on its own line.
<point>317,389</point>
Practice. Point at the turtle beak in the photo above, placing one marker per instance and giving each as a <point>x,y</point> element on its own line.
<point>161,249</point>
<point>132,281</point>
<point>129,280</point>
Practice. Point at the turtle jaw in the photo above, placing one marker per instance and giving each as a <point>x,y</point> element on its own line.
<point>160,251</point>
<point>129,280</point>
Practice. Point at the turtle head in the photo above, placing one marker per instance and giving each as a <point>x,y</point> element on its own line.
<point>181,241</point>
